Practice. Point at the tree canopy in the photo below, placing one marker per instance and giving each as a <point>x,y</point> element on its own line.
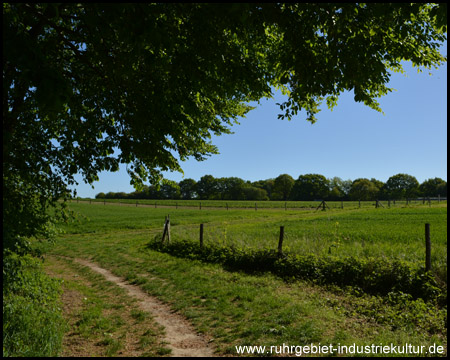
<point>307,187</point>
<point>402,185</point>
<point>89,86</point>
<point>363,189</point>
<point>310,187</point>
<point>283,185</point>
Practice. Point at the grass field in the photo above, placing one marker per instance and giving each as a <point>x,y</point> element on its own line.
<point>247,204</point>
<point>392,233</point>
<point>236,308</point>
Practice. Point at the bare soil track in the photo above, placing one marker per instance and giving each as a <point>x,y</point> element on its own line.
<point>180,336</point>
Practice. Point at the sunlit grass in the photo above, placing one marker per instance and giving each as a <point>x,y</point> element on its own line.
<point>235,308</point>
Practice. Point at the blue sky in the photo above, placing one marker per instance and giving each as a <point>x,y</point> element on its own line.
<point>352,141</point>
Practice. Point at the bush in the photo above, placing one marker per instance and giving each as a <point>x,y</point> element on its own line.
<point>33,324</point>
<point>371,275</point>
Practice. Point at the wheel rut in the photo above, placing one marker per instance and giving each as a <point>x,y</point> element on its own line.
<point>180,335</point>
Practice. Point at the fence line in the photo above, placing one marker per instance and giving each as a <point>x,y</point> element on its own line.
<point>267,205</point>
<point>166,233</point>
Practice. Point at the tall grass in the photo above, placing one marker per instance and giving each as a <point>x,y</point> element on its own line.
<point>395,233</point>
<point>33,325</point>
<point>391,234</point>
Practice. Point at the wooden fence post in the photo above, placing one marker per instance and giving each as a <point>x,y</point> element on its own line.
<point>168,229</point>
<point>323,204</point>
<point>280,241</point>
<point>427,248</point>
<point>201,235</point>
<point>165,230</point>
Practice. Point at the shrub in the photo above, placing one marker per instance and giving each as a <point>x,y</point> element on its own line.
<point>371,275</point>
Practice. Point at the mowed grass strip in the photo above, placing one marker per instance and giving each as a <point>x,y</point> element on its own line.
<point>234,308</point>
<point>103,320</point>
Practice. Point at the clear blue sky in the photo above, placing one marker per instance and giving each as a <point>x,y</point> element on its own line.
<point>352,141</point>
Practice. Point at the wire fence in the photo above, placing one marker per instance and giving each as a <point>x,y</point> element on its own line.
<point>259,205</point>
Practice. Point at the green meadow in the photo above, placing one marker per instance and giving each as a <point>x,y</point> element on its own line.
<point>394,233</point>
<point>236,307</point>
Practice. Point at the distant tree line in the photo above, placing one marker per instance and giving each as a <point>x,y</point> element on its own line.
<point>306,188</point>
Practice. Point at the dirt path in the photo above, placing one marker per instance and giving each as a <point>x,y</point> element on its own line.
<point>181,337</point>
